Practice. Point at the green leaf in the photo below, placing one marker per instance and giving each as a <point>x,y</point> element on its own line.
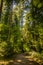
<point>39,5</point>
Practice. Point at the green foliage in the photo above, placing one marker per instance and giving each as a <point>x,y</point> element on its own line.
<point>8,50</point>
<point>13,38</point>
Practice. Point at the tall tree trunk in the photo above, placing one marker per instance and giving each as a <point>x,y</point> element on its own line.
<point>1,5</point>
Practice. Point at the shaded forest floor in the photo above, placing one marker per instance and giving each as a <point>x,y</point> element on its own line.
<point>20,59</point>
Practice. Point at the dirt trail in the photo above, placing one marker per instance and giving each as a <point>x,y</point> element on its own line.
<point>21,59</point>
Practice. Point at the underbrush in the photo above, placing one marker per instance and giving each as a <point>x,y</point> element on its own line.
<point>36,56</point>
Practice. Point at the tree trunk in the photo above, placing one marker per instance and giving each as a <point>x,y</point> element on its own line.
<point>1,5</point>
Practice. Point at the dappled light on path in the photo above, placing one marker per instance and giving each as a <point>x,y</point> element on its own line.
<point>21,59</point>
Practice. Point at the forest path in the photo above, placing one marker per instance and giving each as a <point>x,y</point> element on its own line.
<point>20,59</point>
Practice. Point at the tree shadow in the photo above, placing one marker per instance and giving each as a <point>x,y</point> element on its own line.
<point>24,63</point>
<point>22,60</point>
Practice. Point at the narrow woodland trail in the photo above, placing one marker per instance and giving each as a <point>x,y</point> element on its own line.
<point>21,59</point>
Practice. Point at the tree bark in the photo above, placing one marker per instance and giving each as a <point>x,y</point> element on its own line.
<point>1,5</point>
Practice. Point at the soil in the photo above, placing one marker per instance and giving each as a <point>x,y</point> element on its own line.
<point>21,59</point>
